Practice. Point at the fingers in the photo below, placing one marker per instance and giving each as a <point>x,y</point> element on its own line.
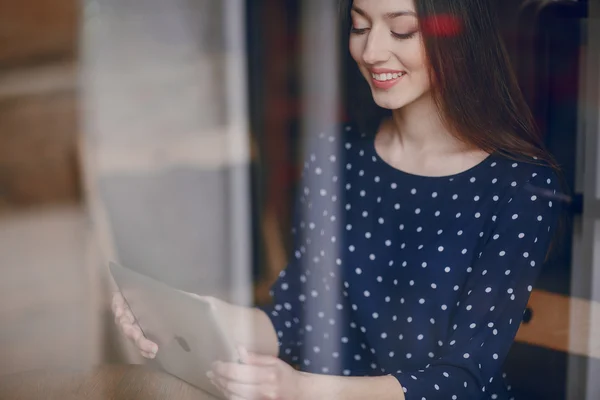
<point>146,346</point>
<point>129,329</point>
<point>261,377</point>
<point>240,390</point>
<point>128,315</point>
<point>143,344</point>
<point>126,321</point>
<point>126,318</point>
<point>258,359</point>
<point>120,308</point>
<point>236,390</point>
<point>133,332</point>
<point>226,388</point>
<point>122,313</point>
<point>246,374</point>
<point>117,304</point>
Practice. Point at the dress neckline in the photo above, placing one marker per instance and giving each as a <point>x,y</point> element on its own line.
<point>469,171</point>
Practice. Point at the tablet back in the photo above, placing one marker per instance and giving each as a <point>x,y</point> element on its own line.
<point>183,325</point>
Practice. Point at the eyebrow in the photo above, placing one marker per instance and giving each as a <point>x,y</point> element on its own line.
<point>390,15</point>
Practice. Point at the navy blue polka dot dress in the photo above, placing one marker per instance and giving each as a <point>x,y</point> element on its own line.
<point>423,278</point>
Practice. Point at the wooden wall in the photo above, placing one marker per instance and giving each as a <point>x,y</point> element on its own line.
<point>32,30</point>
<point>38,102</point>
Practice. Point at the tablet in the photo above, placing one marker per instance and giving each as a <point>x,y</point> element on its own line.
<point>183,325</point>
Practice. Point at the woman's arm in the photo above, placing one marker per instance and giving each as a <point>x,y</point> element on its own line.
<point>494,296</point>
<point>262,377</point>
<point>350,388</point>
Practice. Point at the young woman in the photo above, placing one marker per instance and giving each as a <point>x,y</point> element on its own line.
<point>445,199</point>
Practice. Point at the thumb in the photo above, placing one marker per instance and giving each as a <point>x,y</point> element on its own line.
<point>256,359</point>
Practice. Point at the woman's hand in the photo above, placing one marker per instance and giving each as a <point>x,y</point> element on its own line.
<point>257,378</point>
<point>126,322</point>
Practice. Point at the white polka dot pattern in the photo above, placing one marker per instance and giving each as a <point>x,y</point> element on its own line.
<point>429,272</point>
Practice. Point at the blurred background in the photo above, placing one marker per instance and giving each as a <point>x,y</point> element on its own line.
<point>167,135</point>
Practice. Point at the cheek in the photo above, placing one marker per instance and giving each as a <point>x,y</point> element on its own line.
<point>415,60</point>
<point>413,57</point>
<point>424,75</point>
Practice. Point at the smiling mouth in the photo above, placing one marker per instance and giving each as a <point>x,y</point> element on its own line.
<point>386,80</point>
<point>387,76</point>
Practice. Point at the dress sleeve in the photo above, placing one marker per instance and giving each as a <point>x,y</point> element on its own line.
<point>286,307</point>
<point>314,215</point>
<point>494,298</point>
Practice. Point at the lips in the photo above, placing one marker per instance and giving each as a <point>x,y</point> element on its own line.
<point>385,78</point>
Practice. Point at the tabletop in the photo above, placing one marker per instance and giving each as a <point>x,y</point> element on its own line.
<point>105,382</point>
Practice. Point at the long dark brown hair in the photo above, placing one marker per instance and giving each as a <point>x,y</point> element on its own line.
<point>475,88</point>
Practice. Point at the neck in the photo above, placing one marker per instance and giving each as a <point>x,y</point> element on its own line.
<point>418,128</point>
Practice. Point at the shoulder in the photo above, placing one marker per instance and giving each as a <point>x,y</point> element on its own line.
<point>325,150</point>
<point>335,140</point>
<point>525,188</point>
<point>524,174</point>
<point>342,131</point>
<point>532,189</point>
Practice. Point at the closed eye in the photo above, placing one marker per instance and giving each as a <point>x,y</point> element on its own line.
<point>403,35</point>
<point>358,31</point>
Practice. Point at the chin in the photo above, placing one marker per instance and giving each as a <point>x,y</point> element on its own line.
<point>388,101</point>
<point>394,101</point>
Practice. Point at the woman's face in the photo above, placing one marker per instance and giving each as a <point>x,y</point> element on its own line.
<point>386,44</point>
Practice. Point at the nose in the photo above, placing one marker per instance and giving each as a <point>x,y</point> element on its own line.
<point>375,51</point>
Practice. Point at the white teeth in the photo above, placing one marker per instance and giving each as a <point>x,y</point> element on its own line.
<point>387,77</point>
